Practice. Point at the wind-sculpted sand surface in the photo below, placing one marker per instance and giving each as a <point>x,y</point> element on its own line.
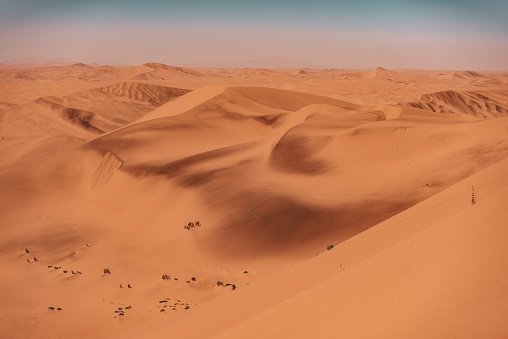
<point>156,201</point>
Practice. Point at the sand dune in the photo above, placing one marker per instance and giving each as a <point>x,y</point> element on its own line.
<point>400,269</point>
<point>146,210</point>
<point>476,104</point>
<point>467,75</point>
<point>380,73</point>
<point>88,113</point>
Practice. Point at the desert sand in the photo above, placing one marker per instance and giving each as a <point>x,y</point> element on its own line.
<point>155,201</point>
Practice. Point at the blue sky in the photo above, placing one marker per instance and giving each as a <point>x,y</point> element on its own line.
<point>426,34</point>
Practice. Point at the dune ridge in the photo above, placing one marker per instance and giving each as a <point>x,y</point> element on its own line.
<point>476,104</point>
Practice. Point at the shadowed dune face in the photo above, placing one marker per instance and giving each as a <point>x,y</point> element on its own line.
<point>300,149</point>
<point>295,153</point>
<point>476,104</point>
<point>262,223</point>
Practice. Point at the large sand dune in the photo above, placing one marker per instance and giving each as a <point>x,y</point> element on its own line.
<point>233,184</point>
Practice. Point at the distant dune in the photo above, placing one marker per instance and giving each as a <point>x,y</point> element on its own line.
<point>155,201</point>
<point>477,104</point>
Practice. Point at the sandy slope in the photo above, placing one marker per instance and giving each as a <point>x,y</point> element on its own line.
<point>108,176</point>
<point>434,270</point>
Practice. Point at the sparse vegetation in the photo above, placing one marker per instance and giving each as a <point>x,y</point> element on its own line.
<point>174,307</point>
<point>51,308</point>
<point>120,310</point>
<point>473,196</point>
<point>166,277</point>
<point>330,247</point>
<point>220,283</point>
<point>191,224</point>
<point>107,271</point>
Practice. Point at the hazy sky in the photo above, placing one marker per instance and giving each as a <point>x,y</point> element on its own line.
<point>430,34</point>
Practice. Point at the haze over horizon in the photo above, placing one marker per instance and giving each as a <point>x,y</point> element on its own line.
<point>365,34</point>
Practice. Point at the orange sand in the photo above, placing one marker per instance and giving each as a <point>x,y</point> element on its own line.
<point>102,167</point>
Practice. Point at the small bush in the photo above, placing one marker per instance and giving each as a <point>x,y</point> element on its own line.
<point>330,247</point>
<point>166,277</point>
<point>107,271</point>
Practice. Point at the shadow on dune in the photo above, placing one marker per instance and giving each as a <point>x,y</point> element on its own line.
<point>262,223</point>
